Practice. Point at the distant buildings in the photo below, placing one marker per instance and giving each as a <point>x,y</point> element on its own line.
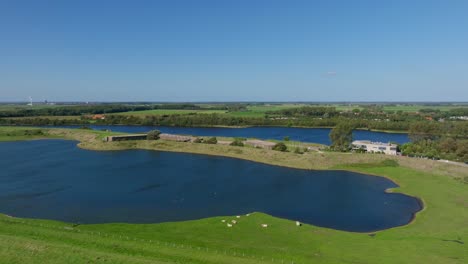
<point>98,117</point>
<point>375,147</point>
<point>459,118</point>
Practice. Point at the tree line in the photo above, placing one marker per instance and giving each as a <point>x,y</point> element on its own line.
<point>448,140</point>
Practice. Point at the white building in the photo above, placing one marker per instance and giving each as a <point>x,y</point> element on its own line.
<point>374,147</point>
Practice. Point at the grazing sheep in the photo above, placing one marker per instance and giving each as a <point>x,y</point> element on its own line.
<point>298,223</point>
<point>229,225</point>
<point>247,214</point>
<point>224,221</point>
<point>238,216</point>
<point>264,225</point>
<point>234,221</point>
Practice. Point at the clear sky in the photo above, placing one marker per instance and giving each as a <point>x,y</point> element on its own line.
<point>240,50</point>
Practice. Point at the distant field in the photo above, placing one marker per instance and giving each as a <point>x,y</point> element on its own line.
<point>252,111</point>
<point>13,107</point>
<point>172,112</point>
<point>260,110</point>
<point>416,108</point>
<point>49,117</point>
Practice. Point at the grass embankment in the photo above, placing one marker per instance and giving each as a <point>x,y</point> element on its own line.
<point>439,233</point>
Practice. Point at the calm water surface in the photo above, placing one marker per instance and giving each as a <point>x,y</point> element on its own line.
<point>315,135</point>
<point>53,179</point>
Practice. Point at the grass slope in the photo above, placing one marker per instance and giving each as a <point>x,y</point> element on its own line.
<point>439,233</point>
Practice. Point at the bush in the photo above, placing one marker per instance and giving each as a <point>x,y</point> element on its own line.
<point>280,147</point>
<point>298,150</point>
<point>211,140</point>
<point>153,135</point>
<point>198,140</point>
<point>237,142</point>
<point>286,138</point>
<point>34,132</point>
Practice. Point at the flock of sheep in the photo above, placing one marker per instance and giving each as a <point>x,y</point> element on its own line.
<point>233,222</point>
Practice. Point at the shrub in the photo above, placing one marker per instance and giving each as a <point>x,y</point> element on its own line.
<point>237,142</point>
<point>211,140</point>
<point>280,147</point>
<point>298,150</point>
<point>286,138</point>
<point>153,135</point>
<point>34,132</point>
<point>198,140</point>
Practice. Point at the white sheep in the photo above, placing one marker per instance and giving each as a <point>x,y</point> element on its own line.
<point>264,225</point>
<point>247,214</point>
<point>238,216</point>
<point>229,225</point>
<point>234,221</point>
<point>224,221</point>
<point>298,223</point>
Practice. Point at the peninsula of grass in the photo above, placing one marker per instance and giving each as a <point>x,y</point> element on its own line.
<point>438,234</point>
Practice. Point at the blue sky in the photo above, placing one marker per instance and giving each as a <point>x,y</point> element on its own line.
<point>234,50</point>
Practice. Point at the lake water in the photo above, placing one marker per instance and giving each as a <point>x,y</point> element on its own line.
<point>54,179</point>
<point>315,135</point>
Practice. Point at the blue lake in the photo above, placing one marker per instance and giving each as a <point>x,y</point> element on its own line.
<point>315,135</point>
<point>54,179</point>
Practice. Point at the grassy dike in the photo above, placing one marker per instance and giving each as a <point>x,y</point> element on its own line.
<point>439,233</point>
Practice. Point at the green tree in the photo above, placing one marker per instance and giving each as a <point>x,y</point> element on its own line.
<point>280,147</point>
<point>298,150</point>
<point>211,140</point>
<point>237,142</point>
<point>341,137</point>
<point>153,135</point>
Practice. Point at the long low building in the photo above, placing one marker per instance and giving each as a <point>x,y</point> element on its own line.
<point>375,147</point>
<point>126,137</point>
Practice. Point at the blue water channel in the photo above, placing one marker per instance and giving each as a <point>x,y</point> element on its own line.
<point>313,135</point>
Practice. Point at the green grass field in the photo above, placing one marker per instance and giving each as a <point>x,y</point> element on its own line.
<point>172,112</point>
<point>260,110</point>
<point>439,233</point>
<point>416,108</point>
<point>14,107</point>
